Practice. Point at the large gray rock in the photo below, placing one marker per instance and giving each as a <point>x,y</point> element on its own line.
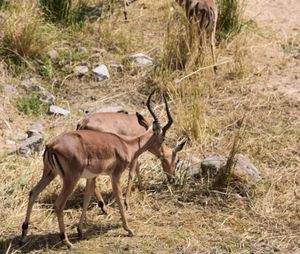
<point>101,72</point>
<point>141,59</point>
<point>29,146</point>
<point>243,167</point>
<point>55,110</point>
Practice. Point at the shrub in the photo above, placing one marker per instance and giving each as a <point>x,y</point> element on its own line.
<point>229,18</point>
<point>31,105</point>
<point>64,11</point>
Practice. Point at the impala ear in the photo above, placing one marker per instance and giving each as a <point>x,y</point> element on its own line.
<point>179,147</point>
<point>142,121</point>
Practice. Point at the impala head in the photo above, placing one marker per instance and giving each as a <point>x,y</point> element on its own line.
<point>167,156</point>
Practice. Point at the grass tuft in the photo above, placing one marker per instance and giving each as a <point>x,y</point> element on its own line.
<point>230,18</point>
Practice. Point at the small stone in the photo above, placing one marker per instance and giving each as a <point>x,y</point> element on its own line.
<point>53,54</point>
<point>101,72</point>
<point>83,50</point>
<point>55,110</point>
<point>10,142</point>
<point>116,109</point>
<point>141,59</point>
<point>81,70</point>
<point>117,67</point>
<point>35,129</point>
<point>29,83</point>
<point>45,96</point>
<point>9,89</point>
<point>21,136</point>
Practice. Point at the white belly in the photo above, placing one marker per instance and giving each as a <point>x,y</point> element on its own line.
<point>89,175</point>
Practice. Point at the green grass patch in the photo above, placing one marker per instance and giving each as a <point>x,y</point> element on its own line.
<point>31,105</point>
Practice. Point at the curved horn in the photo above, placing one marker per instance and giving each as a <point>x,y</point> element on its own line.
<point>170,119</point>
<point>156,121</point>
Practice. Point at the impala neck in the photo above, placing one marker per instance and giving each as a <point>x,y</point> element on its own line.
<point>139,144</point>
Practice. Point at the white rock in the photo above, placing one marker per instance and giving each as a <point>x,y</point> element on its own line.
<point>9,89</point>
<point>55,110</point>
<point>141,59</point>
<point>101,72</point>
<point>53,54</point>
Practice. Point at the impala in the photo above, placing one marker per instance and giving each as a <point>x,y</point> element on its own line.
<point>205,13</point>
<point>87,154</point>
<point>128,125</point>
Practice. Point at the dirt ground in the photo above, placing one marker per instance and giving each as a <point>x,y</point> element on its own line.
<point>276,63</point>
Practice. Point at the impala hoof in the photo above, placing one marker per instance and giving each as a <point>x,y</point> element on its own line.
<point>79,233</point>
<point>130,233</point>
<point>21,241</point>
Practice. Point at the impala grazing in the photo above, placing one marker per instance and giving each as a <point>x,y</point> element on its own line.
<point>205,13</point>
<point>128,125</point>
<point>87,154</point>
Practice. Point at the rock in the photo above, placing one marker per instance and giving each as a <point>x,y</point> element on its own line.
<point>30,145</point>
<point>53,54</point>
<point>244,168</point>
<point>141,59</point>
<point>10,142</point>
<point>9,89</point>
<point>21,136</point>
<point>115,109</point>
<point>191,165</point>
<point>32,85</point>
<point>35,129</point>
<point>45,96</point>
<point>27,84</point>
<point>101,72</point>
<point>117,67</point>
<point>83,50</point>
<point>212,164</point>
<point>81,70</point>
<point>55,110</point>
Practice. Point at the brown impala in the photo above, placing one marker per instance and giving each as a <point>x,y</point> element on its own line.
<point>87,154</point>
<point>128,125</point>
<point>205,13</point>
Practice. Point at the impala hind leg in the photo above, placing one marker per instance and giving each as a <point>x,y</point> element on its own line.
<point>115,180</point>
<point>134,168</point>
<point>68,187</point>
<point>100,200</point>
<point>47,177</point>
<point>89,190</point>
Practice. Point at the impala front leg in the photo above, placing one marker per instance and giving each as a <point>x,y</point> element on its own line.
<point>115,180</point>
<point>100,200</point>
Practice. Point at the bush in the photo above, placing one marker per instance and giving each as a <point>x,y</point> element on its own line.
<point>229,18</point>
<point>31,105</point>
<point>64,11</point>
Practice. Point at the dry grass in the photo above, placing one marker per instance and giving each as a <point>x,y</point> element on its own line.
<point>187,217</point>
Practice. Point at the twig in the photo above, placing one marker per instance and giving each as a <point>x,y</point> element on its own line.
<point>203,68</point>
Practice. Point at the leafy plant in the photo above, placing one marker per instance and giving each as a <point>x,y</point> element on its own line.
<point>31,105</point>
